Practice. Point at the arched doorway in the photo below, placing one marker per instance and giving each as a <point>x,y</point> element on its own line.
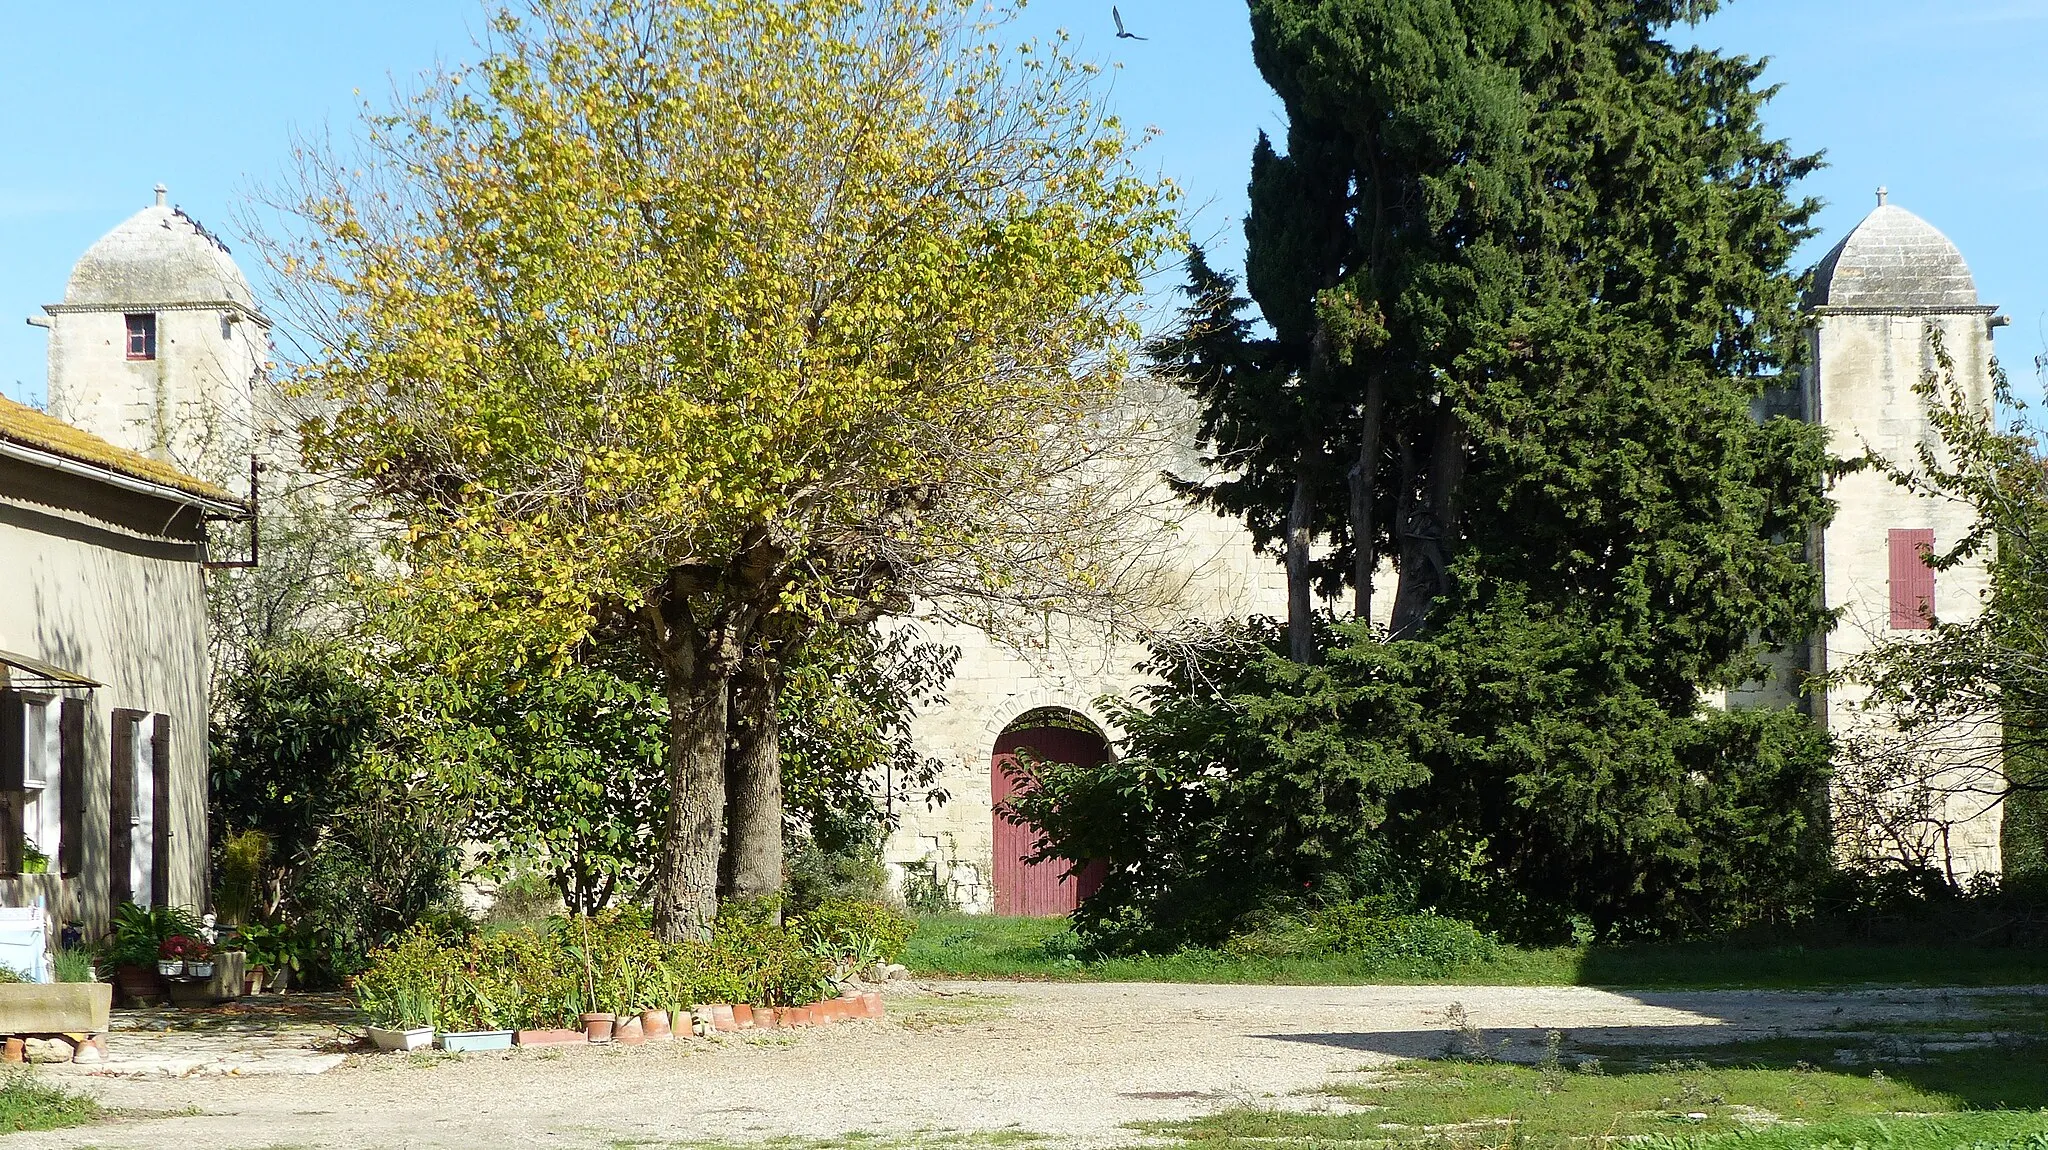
<point>1054,735</point>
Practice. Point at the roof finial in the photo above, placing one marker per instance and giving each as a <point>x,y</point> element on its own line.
<point>162,191</point>
<point>1881,194</point>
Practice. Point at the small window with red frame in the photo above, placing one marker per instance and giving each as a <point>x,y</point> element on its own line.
<point>142,336</point>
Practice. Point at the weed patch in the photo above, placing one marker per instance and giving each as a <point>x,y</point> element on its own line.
<point>27,1103</point>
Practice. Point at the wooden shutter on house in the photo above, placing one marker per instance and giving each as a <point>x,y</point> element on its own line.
<point>121,808</point>
<point>71,773</point>
<point>1912,580</point>
<point>160,811</point>
<point>13,757</point>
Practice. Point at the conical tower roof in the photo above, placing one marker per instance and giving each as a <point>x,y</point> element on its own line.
<point>1893,259</point>
<point>157,256</point>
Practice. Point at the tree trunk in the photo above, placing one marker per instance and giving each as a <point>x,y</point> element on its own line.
<point>1430,533</point>
<point>686,875</point>
<point>752,866</point>
<point>1301,640</point>
<point>1364,491</point>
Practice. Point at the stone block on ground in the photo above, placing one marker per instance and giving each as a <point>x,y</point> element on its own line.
<point>42,1051</point>
<point>54,1007</point>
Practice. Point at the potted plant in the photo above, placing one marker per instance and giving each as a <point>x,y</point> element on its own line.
<point>182,956</point>
<point>402,994</point>
<point>478,1003</point>
<point>403,1017</point>
<point>273,952</point>
<point>133,947</point>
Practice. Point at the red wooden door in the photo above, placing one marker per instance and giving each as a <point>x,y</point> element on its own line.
<point>1044,888</point>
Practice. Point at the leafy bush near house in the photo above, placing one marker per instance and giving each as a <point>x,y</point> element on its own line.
<point>852,935</point>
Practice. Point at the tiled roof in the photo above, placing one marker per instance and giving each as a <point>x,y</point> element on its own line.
<point>1894,259</point>
<point>31,428</point>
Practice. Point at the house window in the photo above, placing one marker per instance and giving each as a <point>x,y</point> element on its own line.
<point>142,336</point>
<point>1912,579</point>
<point>32,782</point>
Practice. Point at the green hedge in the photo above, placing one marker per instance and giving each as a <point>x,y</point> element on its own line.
<point>544,977</point>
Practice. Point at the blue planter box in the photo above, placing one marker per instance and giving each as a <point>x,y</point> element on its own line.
<point>472,1041</point>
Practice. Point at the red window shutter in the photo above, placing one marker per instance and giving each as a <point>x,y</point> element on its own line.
<point>121,808</point>
<point>71,770</point>
<point>1912,579</point>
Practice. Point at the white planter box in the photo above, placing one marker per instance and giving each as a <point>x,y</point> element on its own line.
<point>418,1038</point>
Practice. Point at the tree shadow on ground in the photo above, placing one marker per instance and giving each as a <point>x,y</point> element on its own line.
<point>1777,963</point>
<point>1981,1068</point>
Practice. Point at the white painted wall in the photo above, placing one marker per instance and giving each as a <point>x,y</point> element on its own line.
<point>109,585</point>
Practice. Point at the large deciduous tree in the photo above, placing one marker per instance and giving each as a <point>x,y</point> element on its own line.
<point>685,314</point>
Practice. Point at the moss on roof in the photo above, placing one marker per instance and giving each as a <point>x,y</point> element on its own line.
<point>31,428</point>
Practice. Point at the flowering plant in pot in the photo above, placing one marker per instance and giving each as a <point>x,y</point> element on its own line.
<point>183,956</point>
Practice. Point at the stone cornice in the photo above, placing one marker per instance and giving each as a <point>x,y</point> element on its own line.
<point>1978,309</point>
<point>241,309</point>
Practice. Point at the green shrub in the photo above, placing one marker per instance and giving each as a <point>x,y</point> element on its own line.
<point>526,898</point>
<point>818,876</point>
<point>1414,940</point>
<point>858,931</point>
<point>1507,770</point>
<point>405,984</point>
<point>137,933</point>
<point>542,977</point>
<point>244,861</point>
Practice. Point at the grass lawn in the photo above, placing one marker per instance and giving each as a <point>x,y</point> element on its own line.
<point>27,1103</point>
<point>1762,1096</point>
<point>987,946</point>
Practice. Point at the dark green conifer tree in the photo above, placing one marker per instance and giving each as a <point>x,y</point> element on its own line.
<point>1527,269</point>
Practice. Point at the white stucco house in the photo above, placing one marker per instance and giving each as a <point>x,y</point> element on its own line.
<point>105,505</point>
<point>103,673</point>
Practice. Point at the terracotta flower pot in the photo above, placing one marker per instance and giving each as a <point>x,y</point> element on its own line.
<point>654,1023</point>
<point>12,1051</point>
<point>627,1030</point>
<point>871,1004</point>
<point>597,1027</point>
<point>139,983</point>
<point>722,1019</point>
<point>742,1016</point>
<point>550,1038</point>
<point>764,1017</point>
<point>834,1009</point>
<point>796,1016</point>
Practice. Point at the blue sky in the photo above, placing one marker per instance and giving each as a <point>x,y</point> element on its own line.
<point>1940,100</point>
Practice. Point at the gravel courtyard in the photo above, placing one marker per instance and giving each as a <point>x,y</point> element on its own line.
<point>1072,1062</point>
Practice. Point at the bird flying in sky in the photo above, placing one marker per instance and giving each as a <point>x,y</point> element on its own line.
<point>1121,34</point>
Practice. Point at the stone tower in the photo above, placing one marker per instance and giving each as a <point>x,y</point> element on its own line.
<point>159,345</point>
<point>1876,300</point>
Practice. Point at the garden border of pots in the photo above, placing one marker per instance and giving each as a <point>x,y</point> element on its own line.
<point>645,1026</point>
